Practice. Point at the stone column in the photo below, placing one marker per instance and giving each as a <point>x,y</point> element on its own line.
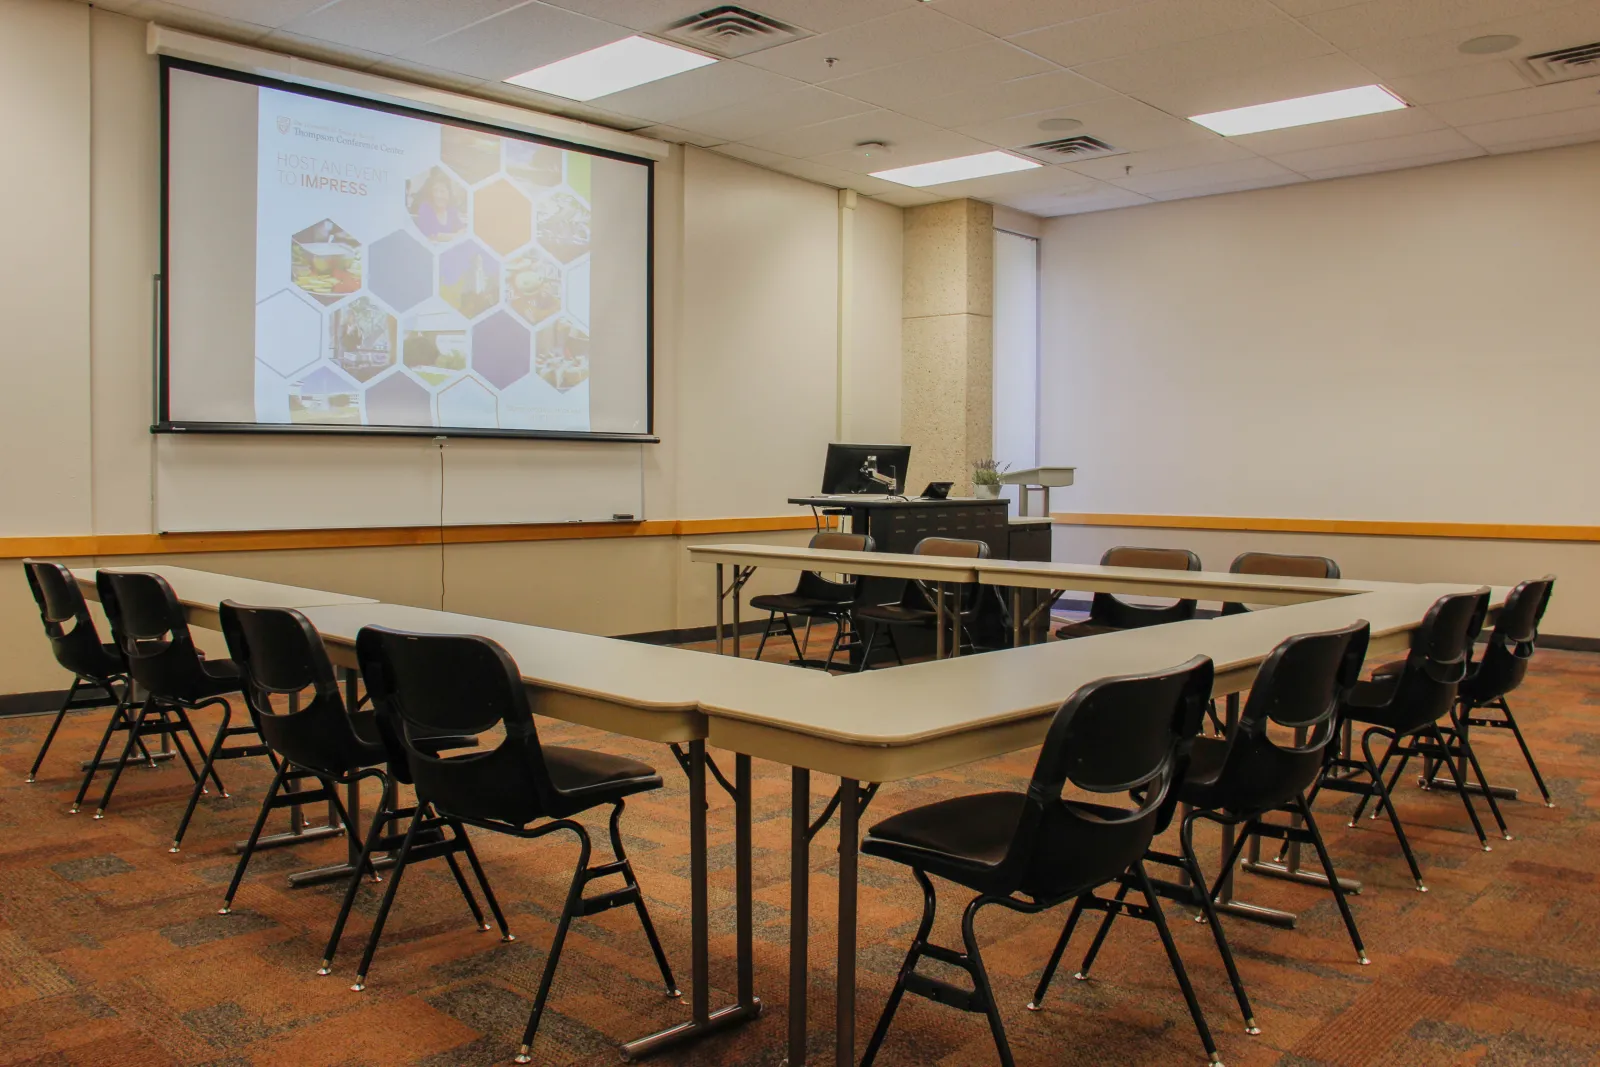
<point>947,346</point>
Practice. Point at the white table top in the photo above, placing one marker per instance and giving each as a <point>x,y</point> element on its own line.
<point>840,561</point>
<point>1199,585</point>
<point>207,589</point>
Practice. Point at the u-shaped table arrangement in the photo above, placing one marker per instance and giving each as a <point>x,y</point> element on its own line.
<point>865,729</point>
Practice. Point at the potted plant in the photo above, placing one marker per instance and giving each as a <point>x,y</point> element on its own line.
<point>986,479</point>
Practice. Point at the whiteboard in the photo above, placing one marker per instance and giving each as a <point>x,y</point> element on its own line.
<point>250,482</point>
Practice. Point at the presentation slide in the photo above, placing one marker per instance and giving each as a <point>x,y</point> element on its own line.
<point>407,272</point>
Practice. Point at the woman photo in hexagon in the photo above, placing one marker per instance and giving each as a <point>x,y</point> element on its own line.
<point>437,205</point>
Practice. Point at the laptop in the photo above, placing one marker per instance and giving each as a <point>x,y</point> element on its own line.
<point>937,491</point>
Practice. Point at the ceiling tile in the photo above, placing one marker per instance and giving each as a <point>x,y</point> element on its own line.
<point>1297,8</point>
<point>1543,100</point>
<point>517,96</point>
<point>1158,160</point>
<point>678,135</point>
<point>810,170</point>
<point>1212,175</point>
<point>908,197</point>
<point>1003,18</point>
<point>319,51</point>
<point>1047,180</point>
<point>838,135</point>
<point>818,16</point>
<point>1116,120</point>
<point>1551,128</point>
<point>1143,26</point>
<point>1343,131</point>
<point>1283,81</point>
<point>1099,197</point>
<point>1541,32</point>
<point>1374,167</point>
<point>423,74</point>
<point>1225,55</point>
<point>1021,96</point>
<point>1432,143</point>
<point>188,18</point>
<point>1380,22</point>
<point>1558,141</point>
<point>270,13</point>
<point>907,152</point>
<point>1459,83</point>
<point>391,26</point>
<point>699,90</point>
<point>514,41</point>
<point>1289,178</point>
<point>882,42</point>
<point>800,106</point>
<point>963,70</point>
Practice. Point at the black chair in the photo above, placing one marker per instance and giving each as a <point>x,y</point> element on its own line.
<point>917,604</point>
<point>1280,564</point>
<point>1503,666</point>
<point>1244,778</point>
<point>99,675</point>
<point>815,597</point>
<point>1109,613</point>
<point>148,624</point>
<point>1411,708</point>
<point>280,655</point>
<point>1030,851</point>
<point>430,684</point>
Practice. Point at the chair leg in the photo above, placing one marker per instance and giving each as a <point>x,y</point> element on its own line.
<point>1178,971</point>
<point>466,891</point>
<point>1459,776</point>
<point>1382,765</point>
<point>1471,758</point>
<point>122,761</point>
<point>1209,911</point>
<point>794,639</point>
<point>1527,754</point>
<point>1100,935</point>
<point>382,813</point>
<point>1037,1003</point>
<point>894,646</point>
<point>255,835</point>
<point>1386,799</point>
<point>121,713</point>
<point>766,633</point>
<point>207,769</point>
<point>918,943</point>
<point>388,901</point>
<point>483,883</point>
<point>574,904</point>
<point>1333,880</point>
<point>981,983</point>
<point>72,691</point>
<point>866,650</point>
<point>638,901</point>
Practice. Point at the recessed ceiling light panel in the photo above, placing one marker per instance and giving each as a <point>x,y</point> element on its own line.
<point>611,68</point>
<point>1302,111</point>
<point>982,165</point>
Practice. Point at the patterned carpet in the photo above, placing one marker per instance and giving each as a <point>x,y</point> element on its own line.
<point>111,950</point>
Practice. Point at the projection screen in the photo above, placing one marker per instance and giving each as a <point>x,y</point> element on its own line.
<point>338,265</point>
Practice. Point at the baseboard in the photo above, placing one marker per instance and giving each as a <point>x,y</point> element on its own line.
<point>691,635</point>
<point>1569,644</point>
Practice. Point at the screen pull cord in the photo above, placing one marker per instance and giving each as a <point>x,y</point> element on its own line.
<point>439,443</point>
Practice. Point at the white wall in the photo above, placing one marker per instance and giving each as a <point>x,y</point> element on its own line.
<point>1417,345</point>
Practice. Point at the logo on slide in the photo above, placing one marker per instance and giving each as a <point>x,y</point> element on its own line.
<point>283,123</point>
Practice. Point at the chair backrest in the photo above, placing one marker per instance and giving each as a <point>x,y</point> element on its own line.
<point>1300,686</point>
<point>1123,736</point>
<point>1516,631</point>
<point>955,547</point>
<point>67,622</point>
<point>1109,610</point>
<point>1280,564</point>
<point>814,585</point>
<point>459,685</point>
<point>280,654</point>
<point>148,625</point>
<point>1437,662</point>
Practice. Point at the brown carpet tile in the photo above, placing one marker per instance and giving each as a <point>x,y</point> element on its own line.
<point>111,951</point>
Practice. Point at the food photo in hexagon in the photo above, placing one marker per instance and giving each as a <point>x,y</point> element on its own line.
<point>325,261</point>
<point>324,396</point>
<point>561,354</point>
<point>471,154</point>
<point>564,226</point>
<point>501,349</point>
<point>433,343</point>
<point>288,332</point>
<point>399,401</point>
<point>469,278</point>
<point>535,167</point>
<point>468,403</point>
<point>400,270</point>
<point>533,286</point>
<point>437,204</point>
<point>363,335</point>
<point>502,217</point>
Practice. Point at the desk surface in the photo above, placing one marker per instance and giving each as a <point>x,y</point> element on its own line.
<point>840,561</point>
<point>1200,585</point>
<point>207,589</point>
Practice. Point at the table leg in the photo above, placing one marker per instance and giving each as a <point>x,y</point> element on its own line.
<point>938,620</point>
<point>738,638</point>
<point>799,911</point>
<point>719,609</point>
<point>704,1022</point>
<point>1016,617</point>
<point>845,990</point>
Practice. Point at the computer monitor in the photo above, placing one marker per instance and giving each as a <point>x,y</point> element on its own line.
<point>843,472</point>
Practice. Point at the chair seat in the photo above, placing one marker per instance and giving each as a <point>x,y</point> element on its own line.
<point>1084,629</point>
<point>1373,703</point>
<point>218,677</point>
<point>595,777</point>
<point>795,604</point>
<point>895,614</point>
<point>1199,785</point>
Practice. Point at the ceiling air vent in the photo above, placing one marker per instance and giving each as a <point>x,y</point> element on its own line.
<point>730,31</point>
<point>1564,64</point>
<point>1069,149</point>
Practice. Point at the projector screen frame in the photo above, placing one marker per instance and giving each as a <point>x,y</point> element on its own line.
<point>163,423</point>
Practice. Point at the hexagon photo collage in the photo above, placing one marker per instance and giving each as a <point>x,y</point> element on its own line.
<point>480,291</point>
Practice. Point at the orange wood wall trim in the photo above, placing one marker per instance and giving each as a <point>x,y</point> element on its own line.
<point>81,545</point>
<point>1468,531</point>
